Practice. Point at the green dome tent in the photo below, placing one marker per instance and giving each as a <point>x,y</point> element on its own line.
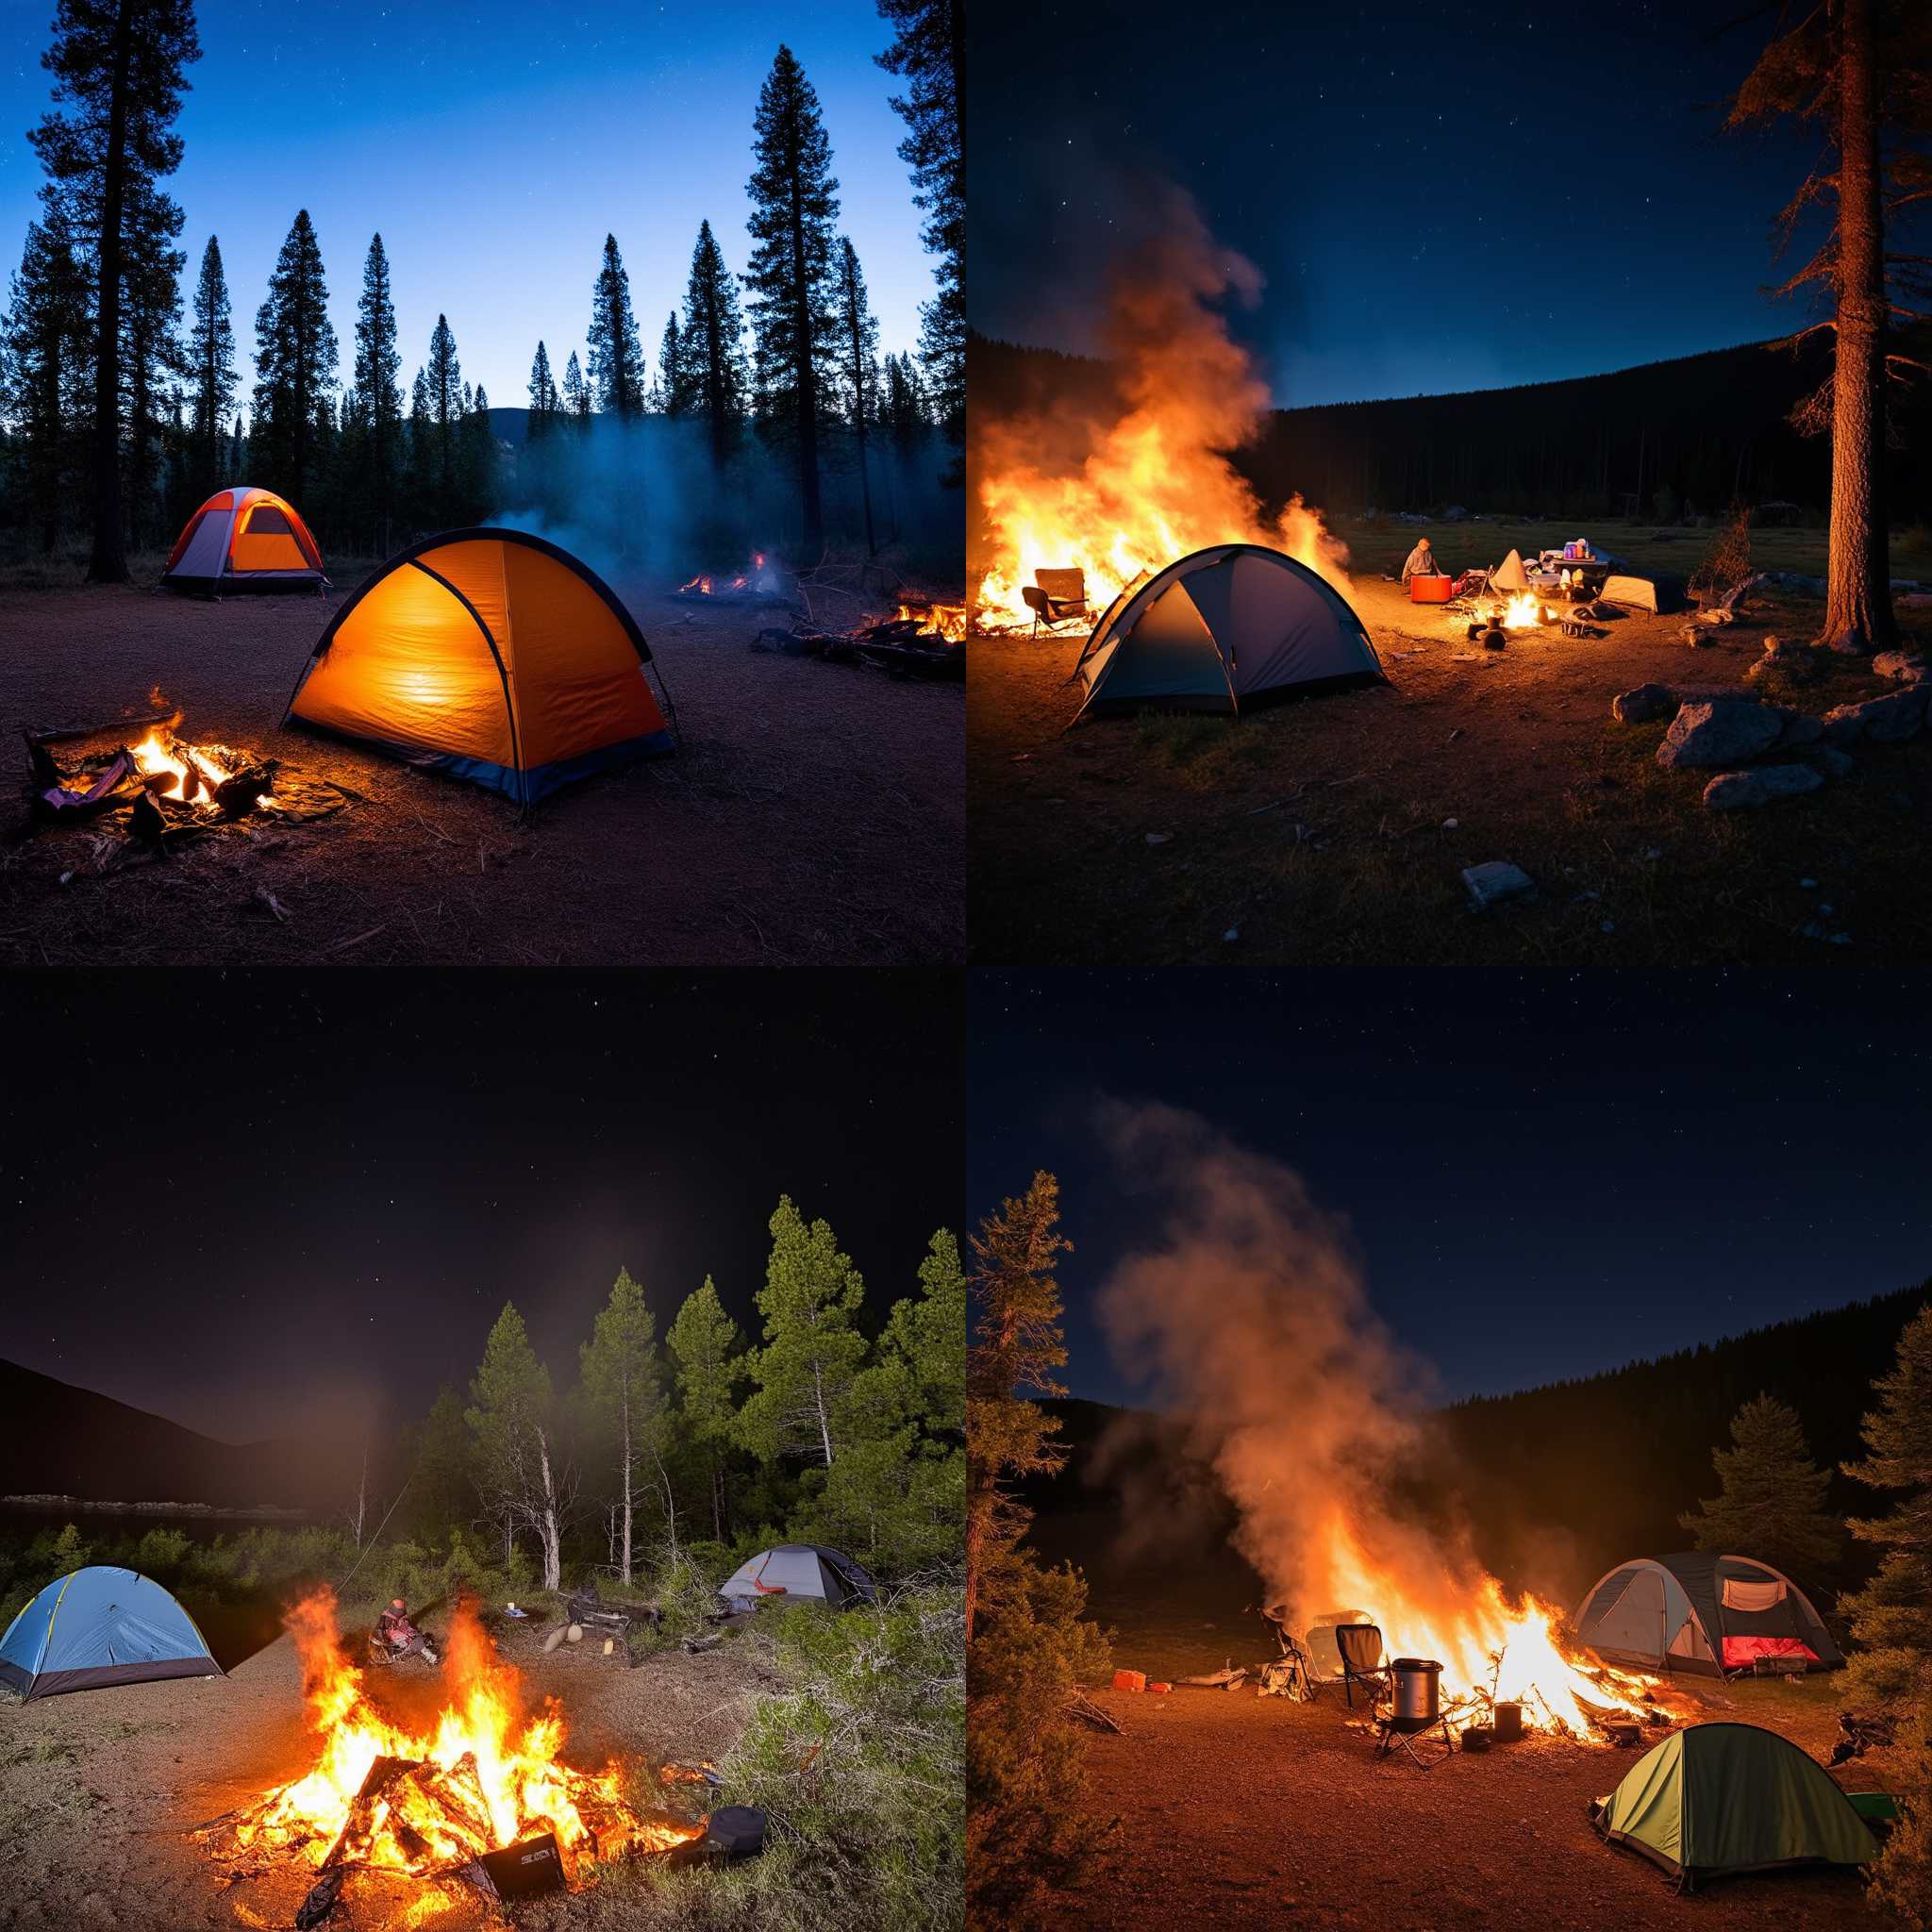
<point>99,1626</point>
<point>1718,1799</point>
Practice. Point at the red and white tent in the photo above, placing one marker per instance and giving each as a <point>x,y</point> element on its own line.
<point>244,539</point>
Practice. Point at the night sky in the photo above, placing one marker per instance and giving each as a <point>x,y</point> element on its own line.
<point>258,1206</point>
<point>1544,1174</point>
<point>1441,196</point>
<point>494,145</point>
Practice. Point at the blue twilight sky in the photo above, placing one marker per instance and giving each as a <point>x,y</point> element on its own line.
<point>493,146</point>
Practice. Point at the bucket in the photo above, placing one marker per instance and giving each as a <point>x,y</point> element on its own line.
<point>1418,1687</point>
<point>1508,1722</point>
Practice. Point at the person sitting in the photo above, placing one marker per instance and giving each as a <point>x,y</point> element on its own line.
<point>400,1637</point>
<point>1422,562</point>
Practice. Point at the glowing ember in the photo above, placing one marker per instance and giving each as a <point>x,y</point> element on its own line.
<point>1119,493</point>
<point>699,585</point>
<point>944,619</point>
<point>197,769</point>
<point>481,1775</point>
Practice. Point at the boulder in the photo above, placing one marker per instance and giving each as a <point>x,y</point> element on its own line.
<point>1794,662</point>
<point>1800,729</point>
<point>1830,760</point>
<point>1721,732</point>
<point>1495,880</point>
<point>1740,790</point>
<point>1897,715</point>
<point>1640,706</point>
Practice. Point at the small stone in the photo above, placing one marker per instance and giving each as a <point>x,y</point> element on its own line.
<point>1452,824</point>
<point>1495,880</point>
<point>1639,707</point>
<point>1772,643</point>
<point>1740,790</point>
<point>1160,838</point>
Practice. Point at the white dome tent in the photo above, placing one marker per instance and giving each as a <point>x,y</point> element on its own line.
<point>791,1570</point>
<point>1224,628</point>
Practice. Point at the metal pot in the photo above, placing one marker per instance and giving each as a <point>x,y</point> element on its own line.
<point>1508,1722</point>
<point>1417,1682</point>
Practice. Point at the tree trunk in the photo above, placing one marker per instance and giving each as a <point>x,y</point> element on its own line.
<point>547,1524</point>
<point>1858,599</point>
<point>109,563</point>
<point>818,1403</point>
<point>812,512</point>
<point>623,1559</point>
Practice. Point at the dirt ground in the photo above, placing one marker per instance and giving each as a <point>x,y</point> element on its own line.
<point>99,1788</point>
<point>1237,1810</point>
<point>1337,830</point>
<point>815,814</point>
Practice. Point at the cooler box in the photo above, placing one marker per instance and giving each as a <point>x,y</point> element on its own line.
<point>1430,589</point>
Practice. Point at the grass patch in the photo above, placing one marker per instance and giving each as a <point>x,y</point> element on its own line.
<point>1203,751</point>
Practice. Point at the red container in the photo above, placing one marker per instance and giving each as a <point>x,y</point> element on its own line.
<point>1430,589</point>
<point>1130,1681</point>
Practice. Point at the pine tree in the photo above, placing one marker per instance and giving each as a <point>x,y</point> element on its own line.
<point>544,401</point>
<point>713,342</point>
<point>617,364</point>
<point>442,1490</point>
<point>704,1343</point>
<point>929,50</point>
<point>857,366</point>
<point>673,390</point>
<point>794,207</point>
<point>48,366</point>
<point>477,495</point>
<point>1891,1616</point>
<point>211,355</point>
<point>813,1348</point>
<point>421,465</point>
<point>151,358</point>
<point>1857,67</point>
<point>1771,1497</point>
<point>119,69</point>
<point>519,1467</point>
<point>576,392</point>
<point>624,1403</point>
<point>1017,1345</point>
<point>295,362</point>
<point>443,377</point>
<point>378,394</point>
<point>238,450</point>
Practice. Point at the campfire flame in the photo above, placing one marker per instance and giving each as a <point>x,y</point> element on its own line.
<point>943,620</point>
<point>1154,482</point>
<point>707,584</point>
<point>197,769</point>
<point>480,1777</point>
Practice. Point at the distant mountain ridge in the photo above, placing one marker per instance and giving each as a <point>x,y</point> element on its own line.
<point>60,1440</point>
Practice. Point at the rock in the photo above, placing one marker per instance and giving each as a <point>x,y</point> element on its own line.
<point>574,1634</point>
<point>1800,728</point>
<point>1452,824</point>
<point>1796,662</point>
<point>1721,732</point>
<point>1907,667</point>
<point>1830,760</point>
<point>1640,706</point>
<point>1495,880</point>
<point>1160,838</point>
<point>1740,790</point>
<point>1883,721</point>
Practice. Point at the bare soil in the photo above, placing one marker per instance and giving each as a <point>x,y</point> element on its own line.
<point>1227,1809</point>
<point>99,1788</point>
<point>814,815</point>
<point>1321,832</point>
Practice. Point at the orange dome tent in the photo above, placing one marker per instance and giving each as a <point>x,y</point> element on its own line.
<point>244,539</point>
<point>491,655</point>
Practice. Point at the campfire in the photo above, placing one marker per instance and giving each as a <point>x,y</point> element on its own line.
<point>211,777</point>
<point>947,621</point>
<point>755,583</point>
<point>433,1799</point>
<point>1119,494</point>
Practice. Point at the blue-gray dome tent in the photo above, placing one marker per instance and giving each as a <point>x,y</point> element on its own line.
<point>99,1626</point>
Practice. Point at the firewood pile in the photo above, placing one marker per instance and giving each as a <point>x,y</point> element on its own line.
<point>904,647</point>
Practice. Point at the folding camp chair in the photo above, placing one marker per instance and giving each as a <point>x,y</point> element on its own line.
<point>1292,1674</point>
<point>1056,598</point>
<point>1393,1737</point>
<point>1360,1645</point>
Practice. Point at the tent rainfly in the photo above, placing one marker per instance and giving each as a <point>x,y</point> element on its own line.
<point>1714,1800</point>
<point>99,1626</point>
<point>1703,1615</point>
<point>798,1570</point>
<point>1222,628</point>
<point>493,656</point>
<point>245,539</point>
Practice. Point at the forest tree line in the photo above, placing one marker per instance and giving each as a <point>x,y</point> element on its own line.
<point>121,408</point>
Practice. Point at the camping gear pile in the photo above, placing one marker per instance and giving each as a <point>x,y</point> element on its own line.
<point>1234,625</point>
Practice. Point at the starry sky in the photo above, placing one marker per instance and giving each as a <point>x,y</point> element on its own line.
<point>1544,1174</point>
<point>268,1205</point>
<point>493,146</point>
<point>1442,197</point>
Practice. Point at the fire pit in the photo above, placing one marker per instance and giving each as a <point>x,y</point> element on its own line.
<point>479,1796</point>
<point>755,583</point>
